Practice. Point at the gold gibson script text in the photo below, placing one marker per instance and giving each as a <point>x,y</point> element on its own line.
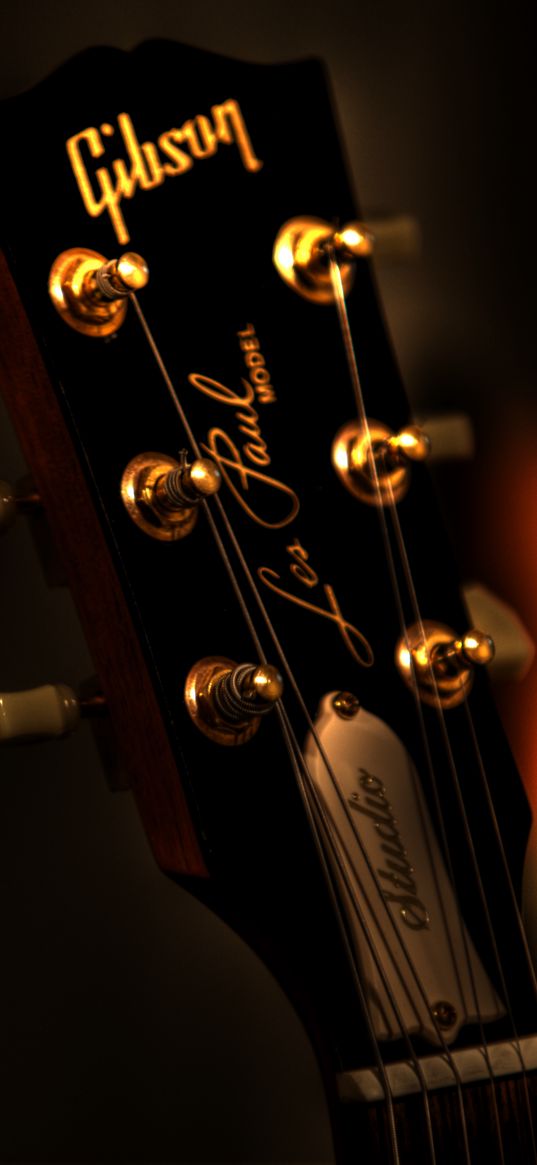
<point>247,468</point>
<point>269,502</point>
<point>146,165</point>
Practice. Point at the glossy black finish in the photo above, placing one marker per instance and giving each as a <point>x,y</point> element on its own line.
<point>208,237</point>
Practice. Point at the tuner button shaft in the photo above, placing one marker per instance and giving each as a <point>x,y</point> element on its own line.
<point>119,277</point>
<point>303,245</point>
<point>440,664</point>
<point>475,648</point>
<point>187,486</point>
<point>90,292</point>
<point>374,463</point>
<point>162,495</point>
<point>15,500</point>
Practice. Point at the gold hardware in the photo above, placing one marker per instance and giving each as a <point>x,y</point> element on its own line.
<point>302,245</point>
<point>376,460</point>
<point>145,166</point>
<point>91,293</point>
<point>346,704</point>
<point>161,495</point>
<point>445,1014</point>
<point>441,664</point>
<point>300,255</point>
<point>227,701</point>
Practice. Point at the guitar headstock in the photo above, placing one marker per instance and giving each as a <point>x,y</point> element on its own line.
<point>317,556</point>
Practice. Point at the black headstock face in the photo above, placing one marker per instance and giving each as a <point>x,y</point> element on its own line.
<point>196,162</point>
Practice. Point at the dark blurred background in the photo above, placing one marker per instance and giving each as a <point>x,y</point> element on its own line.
<point>135,1026</point>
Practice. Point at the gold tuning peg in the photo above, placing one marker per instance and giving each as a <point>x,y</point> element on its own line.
<point>303,246</point>
<point>441,664</point>
<point>15,500</point>
<point>227,701</point>
<point>473,648</point>
<point>410,444</point>
<point>91,292</point>
<point>162,495</point>
<point>355,241</point>
<point>374,463</point>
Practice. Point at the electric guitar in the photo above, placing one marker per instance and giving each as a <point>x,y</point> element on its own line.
<point>195,360</point>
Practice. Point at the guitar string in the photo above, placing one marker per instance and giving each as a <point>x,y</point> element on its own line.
<point>339,297</point>
<point>258,646</point>
<point>447,851</point>
<point>494,819</point>
<point>332,889</point>
<point>475,744</point>
<point>376,959</point>
<point>381,506</point>
<point>230,570</point>
<point>266,616</point>
<point>522,1061</point>
<point>467,830</point>
<point>298,759</point>
<point>280,651</point>
<point>311,795</point>
<point>499,840</point>
<point>440,714</point>
<point>392,508</point>
<point>340,300</point>
<point>194,445</point>
<point>300,776</point>
<point>312,728</point>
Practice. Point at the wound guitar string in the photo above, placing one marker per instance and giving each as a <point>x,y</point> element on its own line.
<point>279,648</point>
<point>391,506</point>
<point>275,640</point>
<point>339,298</point>
<point>262,659</point>
<point>466,825</point>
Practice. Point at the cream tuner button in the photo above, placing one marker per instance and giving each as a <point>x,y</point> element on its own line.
<point>42,713</point>
<point>395,237</point>
<point>515,649</point>
<point>451,436</point>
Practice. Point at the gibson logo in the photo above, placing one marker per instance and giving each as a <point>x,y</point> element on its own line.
<point>147,166</point>
<point>399,872</point>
